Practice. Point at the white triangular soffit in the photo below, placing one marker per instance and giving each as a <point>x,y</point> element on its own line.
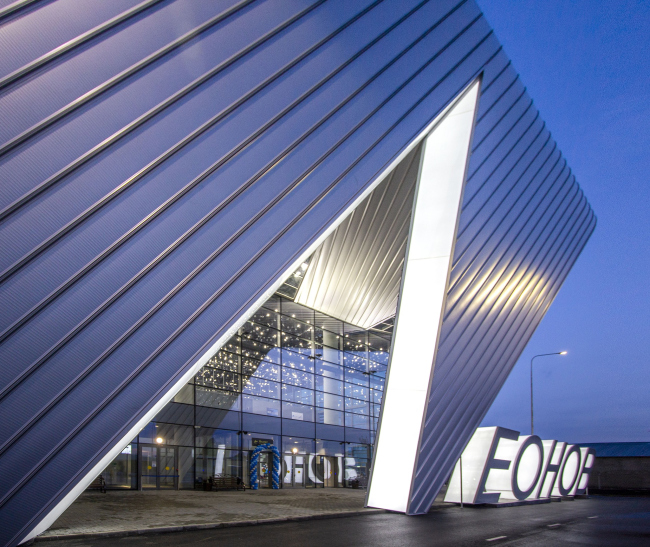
<point>355,275</point>
<point>436,208</point>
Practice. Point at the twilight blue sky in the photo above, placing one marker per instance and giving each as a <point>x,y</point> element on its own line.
<point>586,64</point>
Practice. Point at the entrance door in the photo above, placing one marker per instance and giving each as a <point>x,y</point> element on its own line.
<point>158,467</point>
<point>294,471</point>
<point>331,472</point>
<point>264,466</point>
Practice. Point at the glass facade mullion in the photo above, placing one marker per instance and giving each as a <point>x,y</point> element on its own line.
<point>310,384</point>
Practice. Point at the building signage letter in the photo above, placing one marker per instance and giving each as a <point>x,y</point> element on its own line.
<point>572,465</point>
<point>588,459</point>
<point>531,473</point>
<point>552,448</point>
<point>493,463</point>
<point>498,464</point>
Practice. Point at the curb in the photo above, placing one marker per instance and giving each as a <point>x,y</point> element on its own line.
<point>209,526</point>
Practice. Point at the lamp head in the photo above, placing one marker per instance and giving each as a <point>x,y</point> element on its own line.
<point>563,353</point>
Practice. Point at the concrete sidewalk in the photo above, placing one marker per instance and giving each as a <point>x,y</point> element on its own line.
<point>131,512</point>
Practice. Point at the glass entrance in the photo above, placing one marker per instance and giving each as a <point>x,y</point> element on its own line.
<point>264,467</point>
<point>158,467</point>
<point>332,477</point>
<point>294,472</point>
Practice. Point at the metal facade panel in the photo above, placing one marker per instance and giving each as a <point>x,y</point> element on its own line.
<point>523,223</point>
<point>355,274</point>
<point>164,162</point>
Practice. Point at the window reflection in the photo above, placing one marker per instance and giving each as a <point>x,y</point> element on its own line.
<point>288,370</point>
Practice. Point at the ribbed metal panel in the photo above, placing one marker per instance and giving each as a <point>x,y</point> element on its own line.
<point>355,274</point>
<point>164,162</point>
<point>523,223</point>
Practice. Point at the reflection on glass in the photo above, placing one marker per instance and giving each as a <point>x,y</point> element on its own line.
<point>287,364</point>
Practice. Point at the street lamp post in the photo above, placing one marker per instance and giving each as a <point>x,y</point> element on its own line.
<point>532,426</point>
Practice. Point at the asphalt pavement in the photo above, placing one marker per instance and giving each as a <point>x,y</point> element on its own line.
<point>600,520</point>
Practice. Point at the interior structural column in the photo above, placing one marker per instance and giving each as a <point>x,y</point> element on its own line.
<point>331,355</point>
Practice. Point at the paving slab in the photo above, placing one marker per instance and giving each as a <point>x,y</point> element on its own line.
<point>117,513</point>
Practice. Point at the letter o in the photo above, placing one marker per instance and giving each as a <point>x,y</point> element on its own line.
<point>560,480</point>
<point>532,440</point>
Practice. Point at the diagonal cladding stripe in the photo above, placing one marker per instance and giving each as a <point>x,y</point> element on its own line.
<point>461,276</point>
<point>325,287</point>
<point>354,257</point>
<point>496,77</point>
<point>492,74</point>
<point>471,240</point>
<point>151,113</point>
<point>505,294</point>
<point>315,202</point>
<point>483,277</point>
<point>533,316</point>
<point>516,261</point>
<point>504,103</point>
<point>346,256</point>
<point>97,312</point>
<point>175,245</point>
<point>504,156</point>
<point>13,9</point>
<point>521,96</point>
<point>169,250</point>
<point>486,202</point>
<point>155,163</point>
<point>499,246</point>
<point>390,255</point>
<point>435,417</point>
<point>498,101</point>
<point>199,268</point>
<point>53,451</point>
<point>74,43</point>
<point>512,167</point>
<point>498,352</point>
<point>483,370</point>
<point>147,169</point>
<point>385,197</point>
<point>392,285</point>
<point>514,280</point>
<point>516,292</point>
<point>499,98</point>
<point>498,144</point>
<point>513,186</point>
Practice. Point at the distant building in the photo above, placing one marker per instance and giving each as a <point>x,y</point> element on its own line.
<point>620,467</point>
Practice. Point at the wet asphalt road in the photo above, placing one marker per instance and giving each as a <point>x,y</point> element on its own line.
<point>606,521</point>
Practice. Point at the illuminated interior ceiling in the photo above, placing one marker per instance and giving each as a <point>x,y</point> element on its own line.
<point>355,274</point>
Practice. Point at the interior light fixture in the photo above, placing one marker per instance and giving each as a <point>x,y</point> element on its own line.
<point>294,450</point>
<point>159,440</point>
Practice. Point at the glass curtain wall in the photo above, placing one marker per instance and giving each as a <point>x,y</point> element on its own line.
<point>306,382</point>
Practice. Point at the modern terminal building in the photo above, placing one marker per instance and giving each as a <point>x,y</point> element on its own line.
<point>300,243</point>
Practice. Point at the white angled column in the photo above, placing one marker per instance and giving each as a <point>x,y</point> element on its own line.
<point>424,287</point>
